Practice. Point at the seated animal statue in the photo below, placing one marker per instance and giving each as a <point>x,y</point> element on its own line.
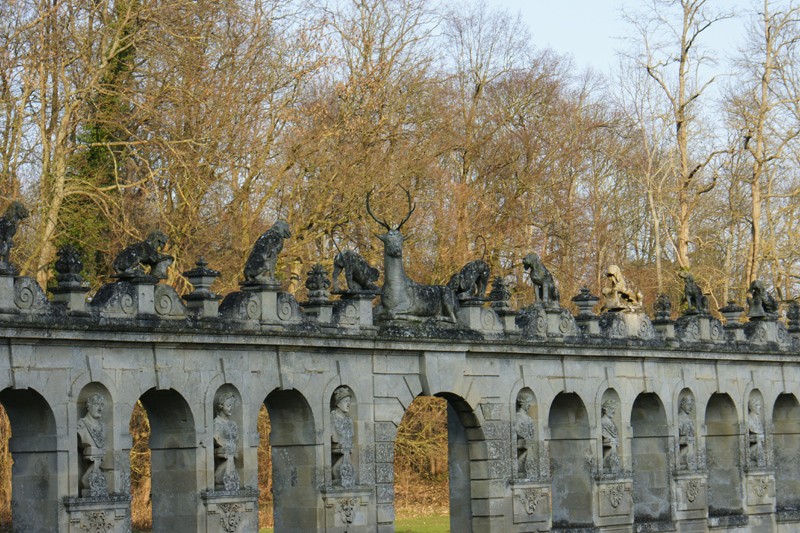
<point>260,265</point>
<point>129,262</point>
<point>621,295</point>
<point>15,213</point>
<point>696,301</point>
<point>471,281</point>
<point>358,273</point>
<point>760,301</point>
<point>543,282</point>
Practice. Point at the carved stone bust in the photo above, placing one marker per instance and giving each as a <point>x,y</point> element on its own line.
<point>525,429</point>
<point>686,434</point>
<point>342,434</point>
<point>610,436</point>
<point>756,434</point>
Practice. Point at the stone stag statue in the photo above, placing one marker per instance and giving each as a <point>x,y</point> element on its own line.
<point>15,213</point>
<point>342,435</point>
<point>260,265</point>
<point>621,295</point>
<point>696,301</point>
<point>543,281</point>
<point>147,253</point>
<point>226,444</point>
<point>400,296</point>
<point>525,430</point>
<point>92,444</point>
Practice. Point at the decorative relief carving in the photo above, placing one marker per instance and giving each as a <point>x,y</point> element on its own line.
<point>530,499</point>
<point>230,516</point>
<point>96,522</point>
<point>614,493</point>
<point>692,489</point>
<point>346,510</point>
<point>761,486</point>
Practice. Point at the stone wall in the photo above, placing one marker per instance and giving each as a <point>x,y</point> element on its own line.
<point>555,422</point>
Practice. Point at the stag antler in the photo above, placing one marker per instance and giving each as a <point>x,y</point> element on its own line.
<point>376,219</point>
<point>411,208</point>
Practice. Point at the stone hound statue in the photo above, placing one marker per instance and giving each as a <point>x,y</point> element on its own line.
<point>696,301</point>
<point>543,281</point>
<point>260,265</point>
<point>129,262</point>
<point>471,281</point>
<point>621,295</point>
<point>15,213</point>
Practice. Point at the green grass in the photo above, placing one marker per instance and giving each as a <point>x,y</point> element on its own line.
<point>421,524</point>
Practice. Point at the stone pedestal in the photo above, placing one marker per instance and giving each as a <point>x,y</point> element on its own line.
<point>354,310</point>
<point>321,311</point>
<point>145,288</point>
<point>7,305</point>
<point>346,510</point>
<point>201,301</point>
<point>622,325</point>
<point>665,328</point>
<point>759,492</point>
<point>473,315</point>
<point>766,330</point>
<point>560,322</point>
<point>231,512</point>
<point>267,293</point>
<point>531,505</point>
<point>690,496</point>
<point>613,502</point>
<point>111,514</point>
<point>73,298</point>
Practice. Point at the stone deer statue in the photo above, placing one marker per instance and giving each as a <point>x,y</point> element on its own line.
<point>400,296</point>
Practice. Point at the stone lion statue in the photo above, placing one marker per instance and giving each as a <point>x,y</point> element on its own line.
<point>260,265</point>
<point>545,285</point>
<point>358,273</point>
<point>471,281</point>
<point>15,213</point>
<point>147,253</point>
<point>621,294</point>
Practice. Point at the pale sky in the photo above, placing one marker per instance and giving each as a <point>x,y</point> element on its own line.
<point>592,30</point>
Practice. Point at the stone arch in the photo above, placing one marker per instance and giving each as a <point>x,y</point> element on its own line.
<point>87,394</point>
<point>650,459</point>
<point>293,440</point>
<point>34,475</point>
<point>526,435</point>
<point>786,442</point>
<point>467,459</point>
<point>570,458</point>
<point>173,460</point>
<point>723,456</point>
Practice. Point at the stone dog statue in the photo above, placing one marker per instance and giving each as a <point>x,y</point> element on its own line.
<point>358,273</point>
<point>260,265</point>
<point>471,281</point>
<point>15,213</point>
<point>130,261</point>
<point>546,291</point>
<point>696,301</point>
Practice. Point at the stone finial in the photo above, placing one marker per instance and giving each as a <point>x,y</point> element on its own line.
<point>793,315</point>
<point>543,282</point>
<point>620,295</point>
<point>318,283</point>
<point>585,302</point>
<point>69,267</point>
<point>129,262</point>
<point>731,312</point>
<point>201,278</point>
<point>15,213</point>
<point>500,295</point>
<point>662,308</point>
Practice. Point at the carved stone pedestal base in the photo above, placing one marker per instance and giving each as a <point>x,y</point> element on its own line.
<point>231,512</point>
<point>354,310</point>
<point>471,314</point>
<point>691,502</point>
<point>760,491</point>
<point>532,502</point>
<point>614,502</point>
<point>7,295</point>
<point>111,514</point>
<point>346,509</point>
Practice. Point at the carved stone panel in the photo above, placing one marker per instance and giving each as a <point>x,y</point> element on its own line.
<point>231,511</point>
<point>614,502</point>
<point>760,493</point>
<point>346,509</point>
<point>531,504</point>
<point>690,496</point>
<point>99,515</point>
